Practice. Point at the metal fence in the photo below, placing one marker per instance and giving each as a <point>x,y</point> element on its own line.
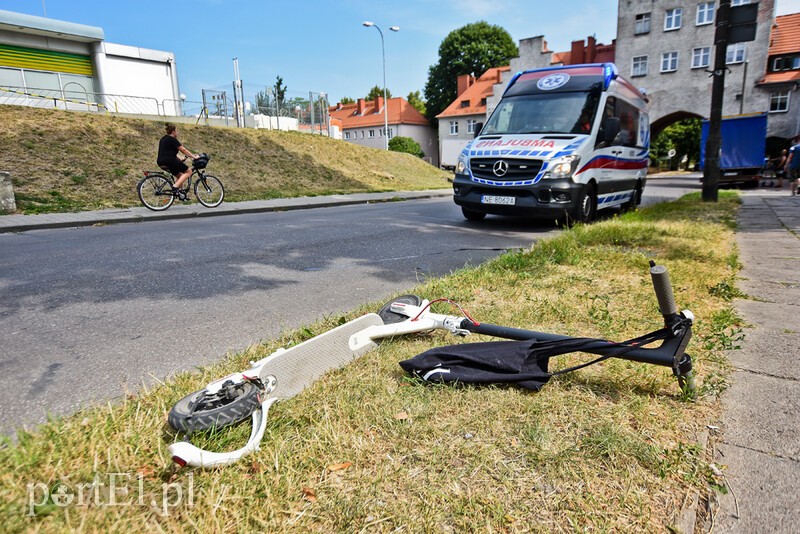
<point>299,110</point>
<point>99,102</point>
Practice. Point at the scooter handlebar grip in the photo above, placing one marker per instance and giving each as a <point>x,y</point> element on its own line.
<point>663,289</point>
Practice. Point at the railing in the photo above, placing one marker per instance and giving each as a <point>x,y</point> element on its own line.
<point>305,115</point>
<point>85,101</point>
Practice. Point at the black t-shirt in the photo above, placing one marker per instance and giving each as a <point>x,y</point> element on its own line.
<point>168,150</point>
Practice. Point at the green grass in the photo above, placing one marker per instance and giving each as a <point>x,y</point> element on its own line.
<point>613,447</point>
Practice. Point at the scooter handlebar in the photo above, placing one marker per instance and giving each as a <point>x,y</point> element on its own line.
<point>663,289</point>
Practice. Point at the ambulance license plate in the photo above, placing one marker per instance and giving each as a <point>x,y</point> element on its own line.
<point>492,199</point>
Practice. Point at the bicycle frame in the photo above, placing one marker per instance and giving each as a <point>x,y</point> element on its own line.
<point>352,339</point>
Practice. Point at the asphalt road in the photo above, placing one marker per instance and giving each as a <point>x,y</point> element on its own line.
<point>88,314</point>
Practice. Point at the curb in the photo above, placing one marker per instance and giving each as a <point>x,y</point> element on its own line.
<point>21,223</point>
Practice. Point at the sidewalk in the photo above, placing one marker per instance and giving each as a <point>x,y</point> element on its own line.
<point>758,443</point>
<point>21,223</point>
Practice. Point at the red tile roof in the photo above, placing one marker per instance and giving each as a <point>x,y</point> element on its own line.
<point>399,112</point>
<point>474,96</point>
<point>785,39</point>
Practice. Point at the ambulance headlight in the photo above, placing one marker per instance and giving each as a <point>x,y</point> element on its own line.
<point>564,167</point>
<point>461,165</point>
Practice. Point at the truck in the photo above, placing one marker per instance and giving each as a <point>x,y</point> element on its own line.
<point>744,144</point>
<point>562,143</point>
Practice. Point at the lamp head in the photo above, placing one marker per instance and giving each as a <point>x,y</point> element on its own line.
<point>395,28</point>
<point>368,23</point>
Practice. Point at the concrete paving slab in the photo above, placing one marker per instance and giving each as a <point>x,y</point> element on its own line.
<point>771,352</point>
<point>764,492</point>
<point>763,414</point>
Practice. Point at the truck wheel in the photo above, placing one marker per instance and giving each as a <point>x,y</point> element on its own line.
<point>586,207</point>
<point>471,215</point>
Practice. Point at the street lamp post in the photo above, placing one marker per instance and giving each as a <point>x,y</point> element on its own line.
<point>368,23</point>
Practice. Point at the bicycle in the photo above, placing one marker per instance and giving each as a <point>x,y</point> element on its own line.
<point>286,372</point>
<point>156,191</point>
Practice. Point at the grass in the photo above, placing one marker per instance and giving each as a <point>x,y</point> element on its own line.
<point>94,161</point>
<point>613,447</point>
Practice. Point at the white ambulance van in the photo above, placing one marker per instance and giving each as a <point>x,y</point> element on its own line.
<point>562,143</point>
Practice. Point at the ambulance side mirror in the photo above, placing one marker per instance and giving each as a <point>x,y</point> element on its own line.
<point>478,128</point>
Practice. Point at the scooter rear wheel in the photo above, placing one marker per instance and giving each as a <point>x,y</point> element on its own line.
<point>201,411</point>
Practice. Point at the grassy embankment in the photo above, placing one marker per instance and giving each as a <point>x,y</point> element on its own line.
<point>613,447</point>
<point>62,161</point>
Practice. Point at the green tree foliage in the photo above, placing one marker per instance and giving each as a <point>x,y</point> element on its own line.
<point>415,99</point>
<point>376,92</point>
<point>684,137</point>
<point>280,90</point>
<point>263,102</point>
<point>472,49</point>
<point>407,145</point>
<point>347,100</point>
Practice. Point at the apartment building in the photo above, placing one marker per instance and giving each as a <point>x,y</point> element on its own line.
<point>666,47</point>
<point>363,124</point>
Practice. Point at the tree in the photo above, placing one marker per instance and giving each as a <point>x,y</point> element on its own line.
<point>683,136</point>
<point>407,145</point>
<point>376,92</point>
<point>471,49</point>
<point>262,102</point>
<point>280,90</point>
<point>347,100</point>
<point>415,99</point>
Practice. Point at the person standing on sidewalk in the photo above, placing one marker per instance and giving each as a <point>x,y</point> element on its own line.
<point>168,149</point>
<point>792,166</point>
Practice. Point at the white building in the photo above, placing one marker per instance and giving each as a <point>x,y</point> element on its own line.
<point>67,65</point>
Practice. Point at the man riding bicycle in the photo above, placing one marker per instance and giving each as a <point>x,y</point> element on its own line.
<point>168,148</point>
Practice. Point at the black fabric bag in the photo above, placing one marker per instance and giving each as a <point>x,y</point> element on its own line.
<point>494,362</point>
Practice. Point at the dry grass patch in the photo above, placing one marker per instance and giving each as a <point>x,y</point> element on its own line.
<point>613,447</point>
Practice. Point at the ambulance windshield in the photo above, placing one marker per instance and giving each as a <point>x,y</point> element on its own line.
<point>544,113</point>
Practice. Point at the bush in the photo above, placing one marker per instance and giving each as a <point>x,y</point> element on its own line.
<point>407,145</point>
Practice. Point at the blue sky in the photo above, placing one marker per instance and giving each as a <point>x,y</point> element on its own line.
<point>321,46</point>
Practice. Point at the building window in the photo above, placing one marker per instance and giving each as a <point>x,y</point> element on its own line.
<point>639,66</point>
<point>642,24</point>
<point>779,102</point>
<point>739,2</point>
<point>483,101</point>
<point>346,136</point>
<point>669,61</point>
<point>786,63</point>
<point>735,54</point>
<point>453,127</point>
<point>362,134</point>
<point>371,134</point>
<point>673,19</point>
<point>465,103</point>
<point>705,13</point>
<point>701,57</point>
<point>390,133</point>
<point>471,126</point>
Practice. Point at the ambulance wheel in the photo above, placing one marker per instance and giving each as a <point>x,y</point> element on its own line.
<point>473,215</point>
<point>586,206</point>
<point>636,199</point>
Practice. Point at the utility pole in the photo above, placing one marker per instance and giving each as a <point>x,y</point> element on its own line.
<point>714,141</point>
<point>734,25</point>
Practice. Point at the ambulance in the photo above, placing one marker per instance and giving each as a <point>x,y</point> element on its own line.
<point>563,143</point>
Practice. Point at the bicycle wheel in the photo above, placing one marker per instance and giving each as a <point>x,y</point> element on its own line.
<point>200,411</point>
<point>155,192</point>
<point>209,191</point>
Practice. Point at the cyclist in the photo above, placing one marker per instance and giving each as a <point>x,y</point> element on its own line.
<point>168,148</point>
